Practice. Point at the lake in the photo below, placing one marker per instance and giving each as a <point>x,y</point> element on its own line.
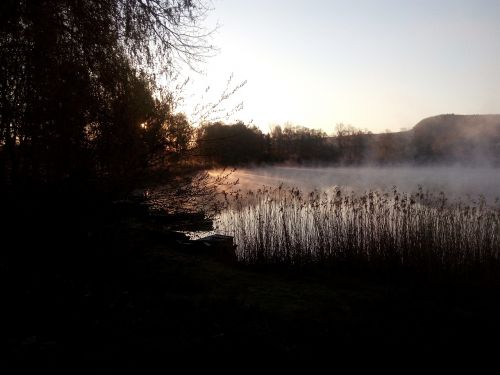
<point>439,216</point>
<point>454,181</point>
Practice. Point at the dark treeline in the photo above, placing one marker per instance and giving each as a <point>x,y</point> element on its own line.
<point>237,144</point>
<point>442,139</point>
<point>78,101</point>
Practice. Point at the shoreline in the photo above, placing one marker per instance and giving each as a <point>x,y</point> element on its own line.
<point>130,295</point>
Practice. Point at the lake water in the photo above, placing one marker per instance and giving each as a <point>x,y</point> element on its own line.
<point>453,181</point>
<point>290,225</point>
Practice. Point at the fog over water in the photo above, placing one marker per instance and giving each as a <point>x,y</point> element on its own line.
<point>454,181</point>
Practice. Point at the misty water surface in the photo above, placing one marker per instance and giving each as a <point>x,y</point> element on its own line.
<point>453,181</point>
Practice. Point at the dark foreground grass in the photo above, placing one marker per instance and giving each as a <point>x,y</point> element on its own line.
<point>107,290</point>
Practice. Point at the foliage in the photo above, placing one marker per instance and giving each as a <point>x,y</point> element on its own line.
<point>221,144</point>
<point>188,193</point>
<point>78,100</point>
<point>298,143</point>
<point>445,139</point>
<point>351,143</point>
<point>230,144</point>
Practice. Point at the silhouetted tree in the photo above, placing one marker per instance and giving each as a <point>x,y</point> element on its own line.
<point>298,143</point>
<point>231,144</point>
<point>387,149</point>
<point>179,135</point>
<point>77,85</point>
<point>352,144</point>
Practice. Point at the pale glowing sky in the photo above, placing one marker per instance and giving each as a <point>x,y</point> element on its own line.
<point>380,64</point>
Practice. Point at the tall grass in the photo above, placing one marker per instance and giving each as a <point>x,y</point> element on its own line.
<point>419,230</point>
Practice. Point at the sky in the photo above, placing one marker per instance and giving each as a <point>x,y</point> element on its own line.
<point>375,64</point>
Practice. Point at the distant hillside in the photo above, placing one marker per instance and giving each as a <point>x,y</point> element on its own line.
<point>469,139</point>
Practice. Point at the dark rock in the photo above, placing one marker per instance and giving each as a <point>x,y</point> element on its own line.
<point>219,246</point>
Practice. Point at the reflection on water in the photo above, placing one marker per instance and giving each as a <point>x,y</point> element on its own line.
<point>196,235</point>
<point>453,181</point>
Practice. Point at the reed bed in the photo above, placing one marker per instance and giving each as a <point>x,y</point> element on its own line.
<point>423,230</point>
